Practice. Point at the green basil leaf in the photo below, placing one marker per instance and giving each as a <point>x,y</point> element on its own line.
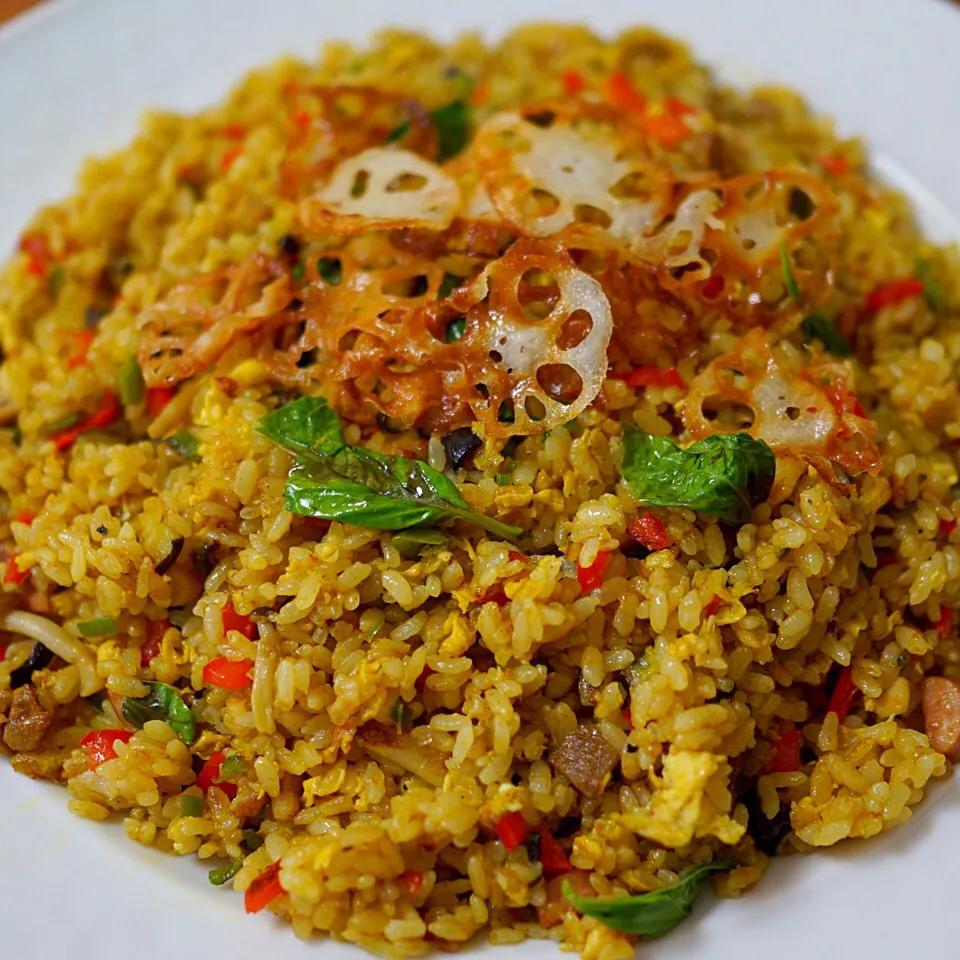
<point>453,128</point>
<point>725,475</point>
<point>398,132</point>
<point>788,280</point>
<point>450,283</point>
<point>410,542</point>
<point>191,805</point>
<point>231,768</point>
<point>307,427</point>
<point>162,703</point>
<point>455,329</point>
<point>99,627</point>
<point>330,270</point>
<point>932,291</point>
<point>355,485</point>
<point>220,875</point>
<point>252,840</point>
<point>650,914</point>
<point>817,327</point>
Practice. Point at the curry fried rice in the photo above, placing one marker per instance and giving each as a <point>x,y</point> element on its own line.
<point>459,489</point>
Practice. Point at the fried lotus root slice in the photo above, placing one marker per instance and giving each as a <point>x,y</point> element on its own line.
<point>723,243</point>
<point>535,341</point>
<point>330,123</point>
<point>545,170</point>
<point>800,411</point>
<point>383,188</point>
<point>188,330</point>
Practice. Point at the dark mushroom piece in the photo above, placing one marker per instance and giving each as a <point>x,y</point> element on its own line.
<point>458,445</point>
<point>39,658</point>
<point>586,759</point>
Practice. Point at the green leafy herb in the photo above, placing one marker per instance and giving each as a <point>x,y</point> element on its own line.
<point>96,700</point>
<point>340,482</point>
<point>453,128</point>
<point>330,270</point>
<point>64,423</point>
<point>503,479</point>
<point>297,271</point>
<point>185,443</point>
<point>251,840</point>
<point>231,768</point>
<point>16,434</point>
<point>191,805</point>
<point>724,475</point>
<point>220,875</point>
<point>817,327</point>
<point>788,280</point>
<point>58,276</point>
<point>162,703</point>
<point>410,543</point>
<point>650,914</point>
<point>378,623</point>
<point>398,132</point>
<point>455,329</point>
<point>401,714</point>
<point>932,291</point>
<point>99,627</point>
<point>506,412</point>
<point>130,382</point>
<point>450,283</point>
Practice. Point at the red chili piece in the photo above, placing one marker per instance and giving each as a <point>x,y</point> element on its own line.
<point>552,857</point>
<point>843,693</point>
<point>210,774</point>
<point>155,631</point>
<point>108,411</point>
<point>512,830</point>
<point>237,621</point>
<point>412,880</point>
<point>573,82</point>
<point>651,377</point>
<point>786,752</point>
<point>945,623</point>
<point>894,292</point>
<point>13,573</point>
<point>710,610</point>
<point>157,400</point>
<point>264,889</point>
<point>99,745</point>
<point>591,577</point>
<point>947,527</point>
<point>649,531</point>
<point>495,594</point>
<point>228,674</point>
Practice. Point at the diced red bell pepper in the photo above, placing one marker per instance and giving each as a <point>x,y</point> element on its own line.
<point>237,621</point>
<point>37,249</point>
<point>622,93</point>
<point>234,131</point>
<point>25,516</point>
<point>665,128</point>
<point>13,574</point>
<point>264,889</point>
<point>894,292</point>
<point>651,377</point>
<point>591,577</point>
<point>99,745</point>
<point>945,623</point>
<point>412,880</point>
<point>947,527</point>
<point>677,108</point>
<point>155,631</point>
<point>785,757</point>
<point>552,856</point>
<point>210,774</point>
<point>108,411</point>
<point>228,674</point>
<point>843,693</point>
<point>157,399</point>
<point>230,157</point>
<point>710,610</point>
<point>573,82</point>
<point>649,531</point>
<point>512,829</point>
<point>83,340</point>
<point>713,286</point>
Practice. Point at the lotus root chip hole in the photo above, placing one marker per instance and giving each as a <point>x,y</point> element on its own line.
<point>587,213</point>
<point>576,328</point>
<point>415,286</point>
<point>534,408</point>
<point>727,414</point>
<point>406,183</point>
<point>359,186</point>
<point>560,382</point>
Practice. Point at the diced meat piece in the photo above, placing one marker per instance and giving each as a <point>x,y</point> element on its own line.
<point>551,913</point>
<point>40,766</point>
<point>28,722</point>
<point>586,759</point>
<point>941,715</point>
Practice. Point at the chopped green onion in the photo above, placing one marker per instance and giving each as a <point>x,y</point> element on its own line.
<point>191,805</point>
<point>401,714</point>
<point>185,443</point>
<point>99,627</point>
<point>398,132</point>
<point>506,414</point>
<point>503,479</point>
<point>231,768</point>
<point>932,291</point>
<point>377,626</point>
<point>96,700</point>
<point>162,703</point>
<point>455,329</point>
<point>64,423</point>
<point>57,279</point>
<point>453,128</point>
<point>788,281</point>
<point>297,271</point>
<point>220,875</point>
<point>450,282</point>
<point>252,840</point>
<point>130,382</point>
<point>330,270</point>
<point>817,327</point>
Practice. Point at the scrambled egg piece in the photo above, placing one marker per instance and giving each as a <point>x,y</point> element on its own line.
<point>690,801</point>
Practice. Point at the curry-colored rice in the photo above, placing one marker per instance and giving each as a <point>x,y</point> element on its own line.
<point>819,579</point>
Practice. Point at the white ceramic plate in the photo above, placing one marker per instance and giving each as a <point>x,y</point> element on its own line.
<point>74,76</point>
